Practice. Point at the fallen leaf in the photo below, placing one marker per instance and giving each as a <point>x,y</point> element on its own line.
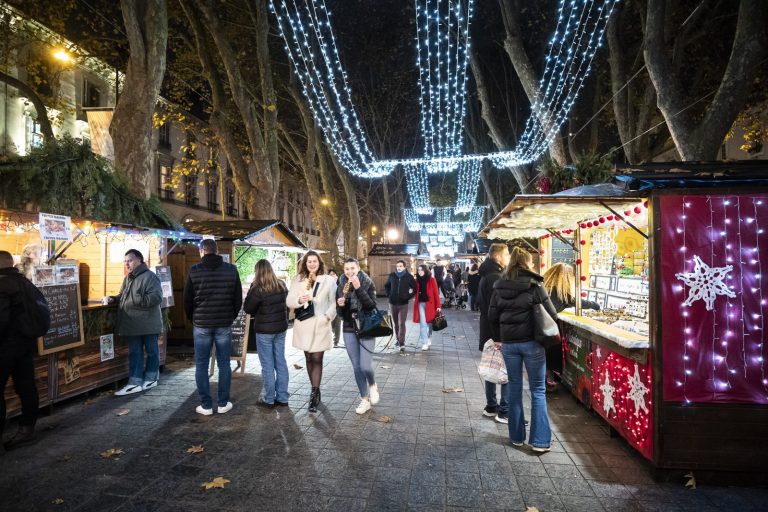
<point>217,483</point>
<point>383,367</point>
<point>112,452</point>
<point>57,501</point>
<point>384,419</point>
<point>691,480</point>
<point>531,509</point>
<point>196,448</point>
<point>297,366</point>
<point>453,390</point>
<point>123,412</point>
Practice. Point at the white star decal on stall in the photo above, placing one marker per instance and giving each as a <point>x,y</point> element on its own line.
<point>705,283</point>
<point>637,391</point>
<point>607,390</point>
<point>598,352</point>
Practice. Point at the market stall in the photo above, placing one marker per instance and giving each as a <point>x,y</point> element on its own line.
<point>674,360</point>
<point>75,263</point>
<point>383,258</point>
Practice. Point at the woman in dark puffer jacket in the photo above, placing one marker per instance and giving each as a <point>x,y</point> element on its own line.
<point>511,321</point>
<point>266,305</point>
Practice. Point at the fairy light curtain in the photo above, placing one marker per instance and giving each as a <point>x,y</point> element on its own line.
<point>715,293</point>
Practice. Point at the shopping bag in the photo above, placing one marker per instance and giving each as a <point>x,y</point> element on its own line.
<point>492,367</point>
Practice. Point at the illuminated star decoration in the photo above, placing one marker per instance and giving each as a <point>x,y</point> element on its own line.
<point>705,283</point>
<point>607,390</point>
<point>637,391</point>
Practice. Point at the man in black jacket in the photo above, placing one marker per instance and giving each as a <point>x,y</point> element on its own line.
<point>400,288</point>
<point>17,353</point>
<point>490,271</point>
<point>213,296</point>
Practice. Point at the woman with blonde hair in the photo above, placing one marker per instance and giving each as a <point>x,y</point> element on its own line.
<point>511,321</point>
<point>312,295</point>
<point>265,303</point>
<point>560,284</point>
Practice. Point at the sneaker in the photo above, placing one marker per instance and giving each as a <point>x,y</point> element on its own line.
<point>501,418</point>
<point>266,405</point>
<point>374,393</point>
<point>202,410</point>
<point>149,384</point>
<point>540,450</point>
<point>424,347</point>
<point>281,404</point>
<point>489,411</point>
<point>226,408</point>
<point>429,341</point>
<point>129,389</point>
<point>364,407</point>
<point>402,350</point>
<point>517,444</point>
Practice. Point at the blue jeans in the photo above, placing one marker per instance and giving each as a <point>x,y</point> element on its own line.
<point>425,328</point>
<point>137,345</point>
<point>274,370</point>
<point>205,337</point>
<point>490,397</point>
<point>533,356</point>
<point>361,355</point>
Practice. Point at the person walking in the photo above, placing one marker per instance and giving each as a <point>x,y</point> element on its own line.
<point>313,289</point>
<point>139,322</point>
<point>400,288</point>
<point>511,320</point>
<point>265,303</point>
<point>438,272</point>
<point>560,285</point>
<point>213,296</point>
<point>356,293</point>
<point>473,285</point>
<point>336,322</point>
<point>17,349</point>
<point>426,306</point>
<point>449,290</point>
<point>490,271</point>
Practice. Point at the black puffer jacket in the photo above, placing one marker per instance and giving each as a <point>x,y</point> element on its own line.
<point>12,285</point>
<point>489,272</point>
<point>509,313</point>
<point>268,310</point>
<point>213,294</point>
<point>400,290</point>
<point>364,298</point>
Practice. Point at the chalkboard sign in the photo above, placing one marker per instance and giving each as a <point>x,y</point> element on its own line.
<point>561,252</point>
<point>164,274</point>
<point>66,319</point>
<point>240,334</point>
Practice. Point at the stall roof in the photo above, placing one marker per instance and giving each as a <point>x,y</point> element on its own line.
<point>534,214</point>
<point>394,250</point>
<point>243,230</point>
<point>693,174</point>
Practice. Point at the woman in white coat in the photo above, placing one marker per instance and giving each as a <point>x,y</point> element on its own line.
<point>312,287</point>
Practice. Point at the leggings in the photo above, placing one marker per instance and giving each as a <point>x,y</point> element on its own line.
<point>361,355</point>
<point>314,367</point>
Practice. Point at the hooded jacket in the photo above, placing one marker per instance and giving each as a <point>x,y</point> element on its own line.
<point>268,310</point>
<point>138,303</point>
<point>489,272</point>
<point>213,294</point>
<point>510,312</point>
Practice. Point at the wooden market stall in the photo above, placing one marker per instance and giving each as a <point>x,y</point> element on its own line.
<point>81,351</point>
<point>383,258</point>
<point>675,361</point>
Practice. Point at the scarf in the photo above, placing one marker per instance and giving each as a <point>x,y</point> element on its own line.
<point>400,274</point>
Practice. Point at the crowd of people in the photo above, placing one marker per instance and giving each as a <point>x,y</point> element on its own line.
<point>325,308</point>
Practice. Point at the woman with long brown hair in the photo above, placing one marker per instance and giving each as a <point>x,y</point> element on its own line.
<point>426,305</point>
<point>314,292</point>
<point>265,303</point>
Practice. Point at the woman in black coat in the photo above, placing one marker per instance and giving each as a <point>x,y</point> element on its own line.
<point>265,303</point>
<point>473,286</point>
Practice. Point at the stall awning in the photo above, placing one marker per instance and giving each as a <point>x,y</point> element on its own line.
<point>535,215</point>
<point>263,233</point>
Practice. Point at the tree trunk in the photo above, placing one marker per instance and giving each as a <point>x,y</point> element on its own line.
<point>352,224</point>
<point>700,139</point>
<point>29,93</point>
<point>146,24</point>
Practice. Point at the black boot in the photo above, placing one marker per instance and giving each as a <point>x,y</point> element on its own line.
<point>314,399</point>
<point>23,437</point>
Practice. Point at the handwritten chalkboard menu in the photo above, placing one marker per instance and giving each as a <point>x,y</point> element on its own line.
<point>66,318</point>
<point>561,252</point>
<point>240,329</point>
<point>164,274</point>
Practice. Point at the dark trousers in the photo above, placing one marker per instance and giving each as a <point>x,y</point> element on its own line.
<point>399,316</point>
<point>555,359</point>
<point>17,361</point>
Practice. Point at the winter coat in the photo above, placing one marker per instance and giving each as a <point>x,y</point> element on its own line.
<point>400,290</point>
<point>510,312</point>
<point>268,310</point>
<point>213,294</point>
<point>560,305</point>
<point>314,334</point>
<point>438,272</point>
<point>448,284</point>
<point>489,272</point>
<point>432,304</point>
<point>12,285</point>
<point>473,282</point>
<point>138,303</point>
<point>364,298</point>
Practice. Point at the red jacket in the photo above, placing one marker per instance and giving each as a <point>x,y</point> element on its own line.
<point>432,304</point>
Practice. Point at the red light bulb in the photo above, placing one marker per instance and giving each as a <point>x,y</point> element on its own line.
<point>578,261</point>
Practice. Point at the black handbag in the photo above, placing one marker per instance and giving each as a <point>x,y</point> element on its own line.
<point>439,323</point>
<point>545,329</point>
<point>305,313</point>
<point>374,324</point>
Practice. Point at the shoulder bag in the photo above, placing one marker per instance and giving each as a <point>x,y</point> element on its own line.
<point>308,311</point>
<point>545,329</point>
<point>439,323</point>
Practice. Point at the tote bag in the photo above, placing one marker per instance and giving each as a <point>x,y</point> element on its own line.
<point>545,329</point>
<point>492,367</point>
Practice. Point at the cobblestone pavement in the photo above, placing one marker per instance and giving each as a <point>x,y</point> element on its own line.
<point>437,453</point>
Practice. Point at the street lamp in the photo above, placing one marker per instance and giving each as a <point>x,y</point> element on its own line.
<point>392,234</point>
<point>324,201</point>
<point>62,55</point>
<point>373,229</point>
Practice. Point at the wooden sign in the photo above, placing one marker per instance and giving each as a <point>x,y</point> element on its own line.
<point>241,329</point>
<point>164,274</point>
<point>66,319</point>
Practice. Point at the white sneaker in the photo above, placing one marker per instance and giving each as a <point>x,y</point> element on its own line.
<point>364,407</point>
<point>429,341</point>
<point>129,389</point>
<point>373,391</point>
<point>424,347</point>
<point>539,450</point>
<point>226,408</point>
<point>149,384</point>
<point>202,410</point>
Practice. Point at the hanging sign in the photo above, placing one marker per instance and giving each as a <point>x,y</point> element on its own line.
<point>55,227</point>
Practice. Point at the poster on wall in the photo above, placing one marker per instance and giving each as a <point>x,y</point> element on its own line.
<point>55,227</point>
<point>107,345</point>
<point>164,274</point>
